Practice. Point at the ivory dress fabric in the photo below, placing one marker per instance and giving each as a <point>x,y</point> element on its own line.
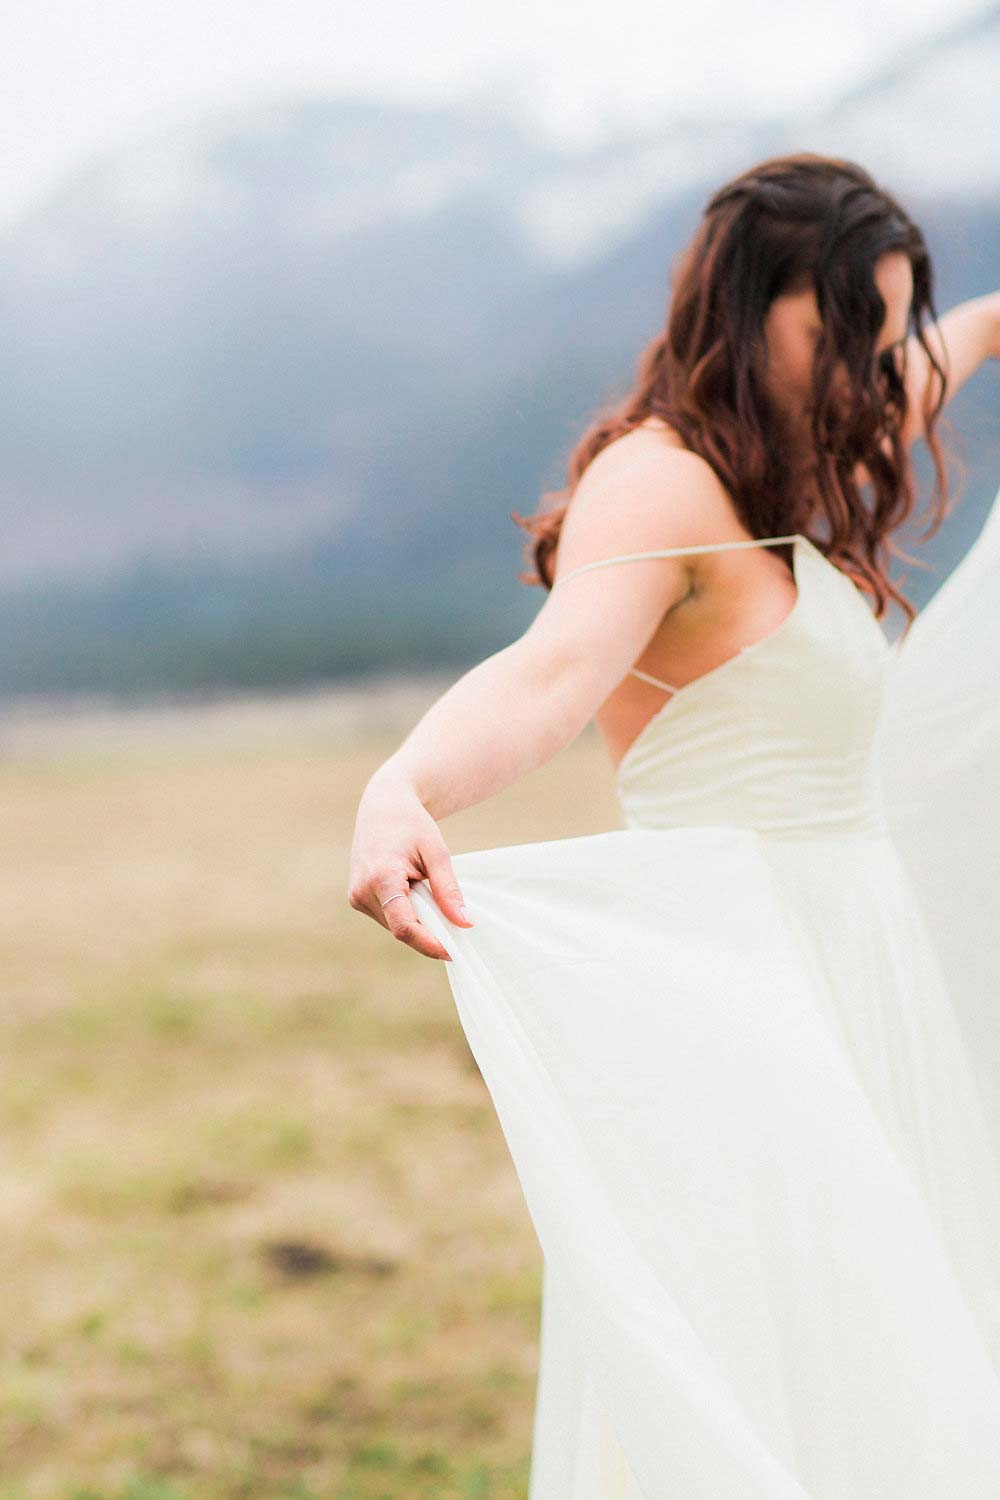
<point>745,1052</point>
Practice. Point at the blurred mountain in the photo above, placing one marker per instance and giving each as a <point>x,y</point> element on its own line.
<point>271,381</point>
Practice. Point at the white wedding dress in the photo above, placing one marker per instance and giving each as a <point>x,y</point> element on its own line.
<point>745,1052</point>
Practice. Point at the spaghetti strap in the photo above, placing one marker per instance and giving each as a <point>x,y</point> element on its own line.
<point>603,562</point>
<point>656,681</point>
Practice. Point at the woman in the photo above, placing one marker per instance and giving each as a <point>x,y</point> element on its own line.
<point>746,1049</point>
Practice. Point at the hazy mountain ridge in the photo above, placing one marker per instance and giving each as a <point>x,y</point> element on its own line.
<point>267,377</point>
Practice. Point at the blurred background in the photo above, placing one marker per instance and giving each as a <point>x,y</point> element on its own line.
<point>297,304</point>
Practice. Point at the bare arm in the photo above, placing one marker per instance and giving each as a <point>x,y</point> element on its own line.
<point>518,708</point>
<point>969,335</point>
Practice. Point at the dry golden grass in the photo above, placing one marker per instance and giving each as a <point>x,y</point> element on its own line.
<point>260,1234</point>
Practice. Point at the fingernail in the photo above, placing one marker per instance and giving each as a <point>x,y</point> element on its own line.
<point>464,914</point>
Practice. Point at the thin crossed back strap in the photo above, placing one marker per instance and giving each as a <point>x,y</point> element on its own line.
<point>603,562</point>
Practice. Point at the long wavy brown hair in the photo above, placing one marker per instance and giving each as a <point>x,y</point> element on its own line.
<point>789,223</point>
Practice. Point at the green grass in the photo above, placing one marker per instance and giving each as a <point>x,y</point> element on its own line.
<point>260,1234</point>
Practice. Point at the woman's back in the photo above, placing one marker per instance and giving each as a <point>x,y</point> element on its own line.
<point>732,596</point>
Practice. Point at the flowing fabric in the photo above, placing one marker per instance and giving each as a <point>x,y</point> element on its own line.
<point>745,1052</point>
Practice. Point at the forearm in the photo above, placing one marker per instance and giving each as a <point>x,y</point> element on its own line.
<point>977,324</point>
<point>501,720</point>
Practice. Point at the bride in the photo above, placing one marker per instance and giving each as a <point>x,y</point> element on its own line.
<point>745,1050</point>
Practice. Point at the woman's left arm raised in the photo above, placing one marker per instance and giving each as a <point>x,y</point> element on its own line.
<point>962,339</point>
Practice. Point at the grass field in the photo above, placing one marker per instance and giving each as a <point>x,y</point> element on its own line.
<point>260,1234</point>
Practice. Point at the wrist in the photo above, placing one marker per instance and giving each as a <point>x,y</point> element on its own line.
<point>393,778</point>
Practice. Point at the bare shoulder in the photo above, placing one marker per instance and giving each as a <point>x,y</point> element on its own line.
<point>645,490</point>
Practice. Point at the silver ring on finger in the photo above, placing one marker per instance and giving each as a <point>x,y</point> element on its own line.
<point>396,897</point>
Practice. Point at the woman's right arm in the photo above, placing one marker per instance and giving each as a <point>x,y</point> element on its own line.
<point>514,711</point>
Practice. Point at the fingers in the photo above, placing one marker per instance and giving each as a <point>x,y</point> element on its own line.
<point>445,887</point>
<point>399,915</point>
<point>408,928</point>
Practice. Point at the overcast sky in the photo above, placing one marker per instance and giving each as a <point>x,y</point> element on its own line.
<point>77,76</point>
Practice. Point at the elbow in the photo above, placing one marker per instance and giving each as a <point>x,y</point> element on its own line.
<point>567,682</point>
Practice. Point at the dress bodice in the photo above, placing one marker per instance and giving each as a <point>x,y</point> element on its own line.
<point>781,736</point>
